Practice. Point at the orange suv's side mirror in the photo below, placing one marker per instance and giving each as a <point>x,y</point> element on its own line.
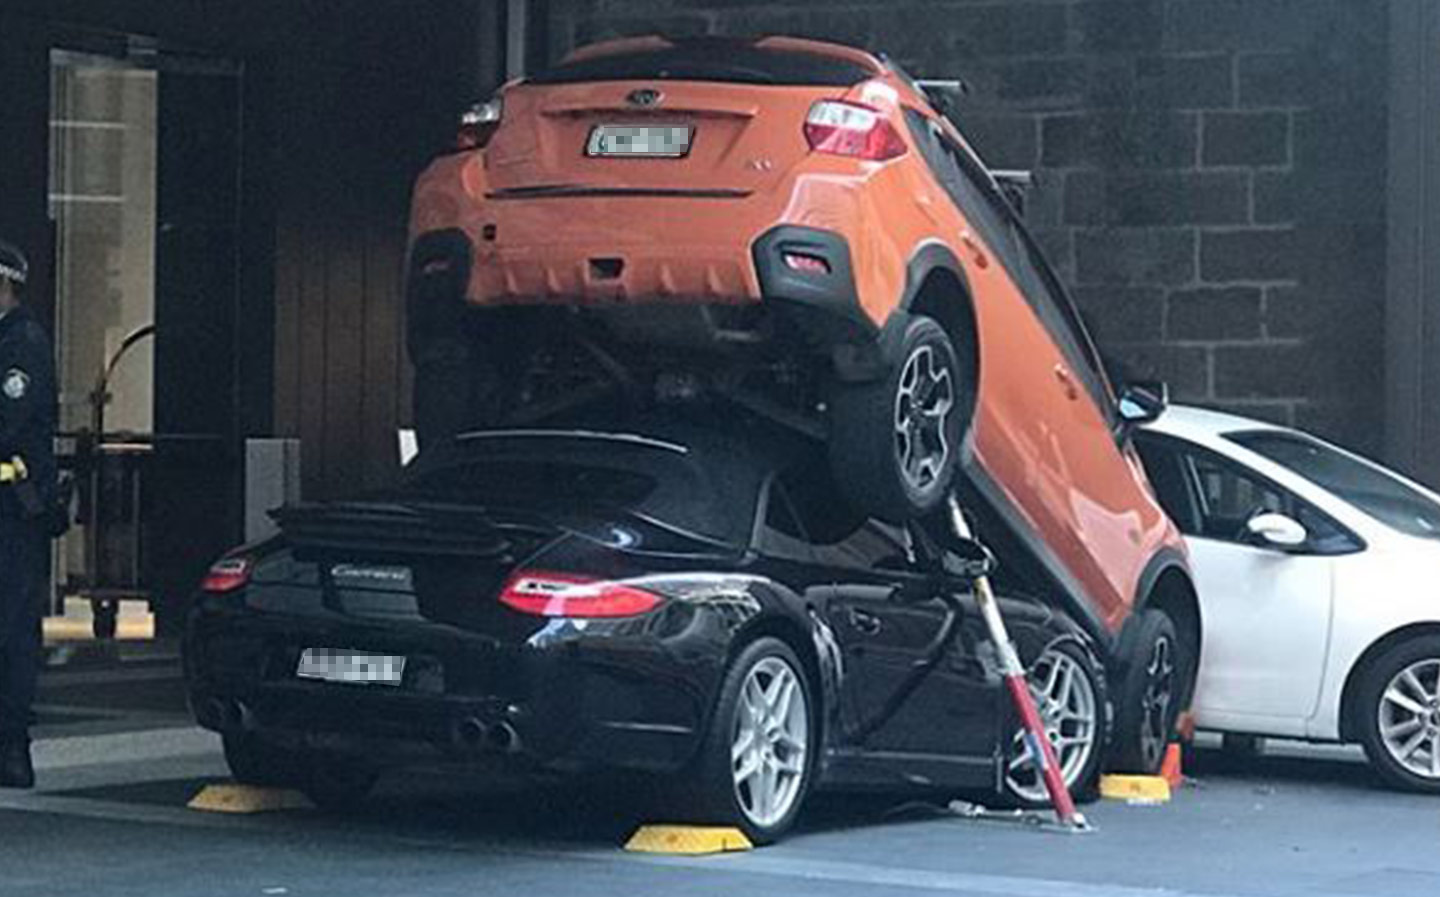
<point>1143,402</point>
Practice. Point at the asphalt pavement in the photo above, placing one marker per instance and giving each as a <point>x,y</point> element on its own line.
<point>109,818</point>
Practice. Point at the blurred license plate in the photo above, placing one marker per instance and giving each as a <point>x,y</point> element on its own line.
<point>662,141</point>
<point>351,666</point>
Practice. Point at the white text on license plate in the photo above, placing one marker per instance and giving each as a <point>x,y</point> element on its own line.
<point>665,141</point>
<point>335,665</point>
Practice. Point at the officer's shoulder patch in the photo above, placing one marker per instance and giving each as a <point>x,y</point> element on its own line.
<point>15,384</point>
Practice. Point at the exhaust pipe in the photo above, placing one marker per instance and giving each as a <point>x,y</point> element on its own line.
<point>469,734</point>
<point>504,738</point>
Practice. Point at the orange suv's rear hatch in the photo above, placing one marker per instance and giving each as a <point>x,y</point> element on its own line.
<point>704,117</point>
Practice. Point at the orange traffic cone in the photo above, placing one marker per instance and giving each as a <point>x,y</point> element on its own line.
<point>1170,769</point>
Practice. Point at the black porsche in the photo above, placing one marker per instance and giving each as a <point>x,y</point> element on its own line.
<point>672,601</point>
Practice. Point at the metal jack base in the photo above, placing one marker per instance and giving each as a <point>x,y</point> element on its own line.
<point>1039,820</point>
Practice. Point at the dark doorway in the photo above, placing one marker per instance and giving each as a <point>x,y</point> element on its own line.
<point>145,172</point>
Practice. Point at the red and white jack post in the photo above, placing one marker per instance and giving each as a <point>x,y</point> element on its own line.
<point>1042,752</point>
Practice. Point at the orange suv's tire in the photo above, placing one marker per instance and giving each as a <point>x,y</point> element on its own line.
<point>895,442</point>
<point>1157,683</point>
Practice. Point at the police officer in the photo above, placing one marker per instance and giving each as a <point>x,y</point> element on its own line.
<point>27,478</point>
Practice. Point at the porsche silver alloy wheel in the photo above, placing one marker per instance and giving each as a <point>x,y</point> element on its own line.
<point>922,413</point>
<point>1159,695</point>
<point>1410,718</point>
<point>1065,697</point>
<point>768,752</point>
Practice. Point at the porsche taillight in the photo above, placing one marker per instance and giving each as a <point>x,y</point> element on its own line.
<point>227,575</point>
<point>849,129</point>
<point>545,593</point>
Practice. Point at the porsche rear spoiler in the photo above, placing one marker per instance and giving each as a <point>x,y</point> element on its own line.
<point>404,528</point>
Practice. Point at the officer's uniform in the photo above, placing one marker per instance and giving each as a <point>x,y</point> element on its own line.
<point>27,431</point>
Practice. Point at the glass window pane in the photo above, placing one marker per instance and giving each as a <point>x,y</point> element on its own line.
<point>1170,479</point>
<point>1370,489</point>
<point>1230,495</point>
<point>102,200</point>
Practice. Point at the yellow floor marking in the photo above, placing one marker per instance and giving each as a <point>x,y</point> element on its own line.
<point>247,799</point>
<point>687,839</point>
<point>1139,789</point>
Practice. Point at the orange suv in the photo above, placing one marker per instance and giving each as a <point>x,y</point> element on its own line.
<point>796,228</point>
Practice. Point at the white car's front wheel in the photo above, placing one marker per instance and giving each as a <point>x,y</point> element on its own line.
<point>1399,714</point>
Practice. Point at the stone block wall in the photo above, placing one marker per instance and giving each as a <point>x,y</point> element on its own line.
<point>1212,172</point>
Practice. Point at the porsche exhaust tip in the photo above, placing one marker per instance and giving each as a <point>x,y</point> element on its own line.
<point>504,738</point>
<point>469,734</point>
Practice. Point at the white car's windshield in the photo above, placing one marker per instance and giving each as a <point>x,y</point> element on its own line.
<point>1368,488</point>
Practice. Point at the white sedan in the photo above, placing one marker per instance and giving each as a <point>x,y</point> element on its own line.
<point>1319,581</point>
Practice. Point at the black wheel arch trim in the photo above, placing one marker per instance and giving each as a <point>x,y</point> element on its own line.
<point>1162,562</point>
<point>927,258</point>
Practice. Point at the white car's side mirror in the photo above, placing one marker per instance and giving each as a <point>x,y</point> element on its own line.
<point>1278,530</point>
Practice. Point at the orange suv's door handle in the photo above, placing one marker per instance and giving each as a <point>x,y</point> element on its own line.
<point>1067,382</point>
<point>977,252</point>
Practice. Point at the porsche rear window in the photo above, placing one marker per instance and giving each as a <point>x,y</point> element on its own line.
<point>708,494</point>
<point>728,61</point>
<point>542,483</point>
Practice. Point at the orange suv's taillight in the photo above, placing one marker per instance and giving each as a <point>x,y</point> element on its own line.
<point>543,593</point>
<point>227,575</point>
<point>849,129</point>
<point>478,124</point>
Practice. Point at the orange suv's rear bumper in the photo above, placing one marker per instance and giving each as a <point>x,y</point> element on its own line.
<point>607,248</point>
<point>600,250</point>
